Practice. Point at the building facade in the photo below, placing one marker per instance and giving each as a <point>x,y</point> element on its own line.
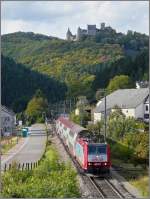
<point>8,121</point>
<point>132,102</point>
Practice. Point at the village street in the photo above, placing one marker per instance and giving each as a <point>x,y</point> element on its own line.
<point>32,148</point>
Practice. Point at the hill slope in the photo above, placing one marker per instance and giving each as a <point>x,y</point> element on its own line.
<point>85,65</point>
<point>20,83</point>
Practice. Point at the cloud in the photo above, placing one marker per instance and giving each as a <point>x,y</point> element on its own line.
<point>53,18</point>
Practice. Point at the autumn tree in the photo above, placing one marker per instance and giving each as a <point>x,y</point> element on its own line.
<point>119,125</point>
<point>119,82</point>
<point>36,107</point>
<point>96,131</point>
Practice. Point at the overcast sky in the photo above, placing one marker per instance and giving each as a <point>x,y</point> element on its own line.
<point>54,18</point>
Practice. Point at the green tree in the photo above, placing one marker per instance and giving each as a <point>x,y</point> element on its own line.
<point>119,82</point>
<point>119,125</point>
<point>36,107</point>
<point>80,119</point>
<point>99,94</point>
<point>82,101</point>
<point>96,131</point>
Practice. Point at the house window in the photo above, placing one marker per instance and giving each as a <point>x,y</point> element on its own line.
<point>146,116</point>
<point>146,107</point>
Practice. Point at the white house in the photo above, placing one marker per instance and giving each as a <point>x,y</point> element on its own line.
<point>8,121</point>
<point>133,103</point>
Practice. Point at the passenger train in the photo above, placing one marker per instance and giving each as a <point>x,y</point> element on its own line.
<point>92,157</point>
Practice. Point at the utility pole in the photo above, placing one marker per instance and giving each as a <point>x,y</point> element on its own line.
<point>105,118</point>
<point>103,91</point>
<point>64,107</point>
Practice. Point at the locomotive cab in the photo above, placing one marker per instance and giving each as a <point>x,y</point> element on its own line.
<point>98,157</point>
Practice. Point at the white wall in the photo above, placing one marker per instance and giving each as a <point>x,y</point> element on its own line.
<point>139,111</point>
<point>77,112</point>
<point>97,117</point>
<point>129,112</point>
<point>7,122</point>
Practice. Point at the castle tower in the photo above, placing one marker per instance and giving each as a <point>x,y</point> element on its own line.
<point>91,30</point>
<point>102,26</point>
<point>69,35</point>
<point>78,34</point>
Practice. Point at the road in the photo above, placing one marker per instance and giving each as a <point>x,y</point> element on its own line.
<point>34,148</point>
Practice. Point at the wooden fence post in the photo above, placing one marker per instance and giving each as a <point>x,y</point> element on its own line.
<point>9,166</point>
<point>22,166</point>
<point>31,165</point>
<point>5,168</point>
<point>26,166</point>
<point>19,166</point>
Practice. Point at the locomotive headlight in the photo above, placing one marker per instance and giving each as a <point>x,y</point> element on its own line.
<point>89,163</point>
<point>105,163</point>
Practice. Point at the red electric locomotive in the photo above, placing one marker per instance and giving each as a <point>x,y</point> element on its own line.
<point>90,155</point>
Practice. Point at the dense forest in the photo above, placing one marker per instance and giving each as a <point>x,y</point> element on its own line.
<point>19,84</point>
<point>83,66</point>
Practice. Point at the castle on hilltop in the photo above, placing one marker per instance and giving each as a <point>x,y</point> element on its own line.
<point>90,31</point>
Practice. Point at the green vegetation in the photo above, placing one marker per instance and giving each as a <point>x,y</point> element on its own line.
<point>20,83</point>
<point>8,143</point>
<point>137,176</point>
<point>96,130</point>
<point>119,82</point>
<point>84,66</point>
<point>129,149</point>
<point>51,179</point>
<point>83,116</point>
<point>142,184</point>
<point>36,108</point>
<point>80,119</point>
<point>127,141</point>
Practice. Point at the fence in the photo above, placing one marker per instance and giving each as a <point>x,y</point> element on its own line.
<point>21,166</point>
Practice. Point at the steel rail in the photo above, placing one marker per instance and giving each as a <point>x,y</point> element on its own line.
<point>113,188</point>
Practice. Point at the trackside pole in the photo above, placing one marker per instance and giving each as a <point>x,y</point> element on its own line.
<point>105,119</point>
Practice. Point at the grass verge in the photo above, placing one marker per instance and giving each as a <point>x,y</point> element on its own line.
<point>137,176</point>
<point>6,146</point>
<point>51,179</point>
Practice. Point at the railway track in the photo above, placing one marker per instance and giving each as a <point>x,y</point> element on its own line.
<point>99,187</point>
<point>106,189</point>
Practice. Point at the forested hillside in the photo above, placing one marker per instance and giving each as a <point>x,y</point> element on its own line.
<point>19,84</point>
<point>84,65</point>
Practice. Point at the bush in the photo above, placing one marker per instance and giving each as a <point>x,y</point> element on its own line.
<point>51,178</point>
<point>121,151</point>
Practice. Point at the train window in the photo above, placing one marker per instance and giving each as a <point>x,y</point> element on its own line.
<point>92,149</point>
<point>101,149</point>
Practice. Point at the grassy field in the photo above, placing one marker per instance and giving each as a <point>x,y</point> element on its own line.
<point>51,179</point>
<point>137,176</point>
<point>7,144</point>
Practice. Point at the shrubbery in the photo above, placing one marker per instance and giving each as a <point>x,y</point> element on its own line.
<point>130,144</point>
<point>51,178</point>
<point>126,136</point>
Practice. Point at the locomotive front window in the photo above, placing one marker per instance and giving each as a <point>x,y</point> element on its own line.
<point>101,149</point>
<point>92,150</point>
<point>97,150</point>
